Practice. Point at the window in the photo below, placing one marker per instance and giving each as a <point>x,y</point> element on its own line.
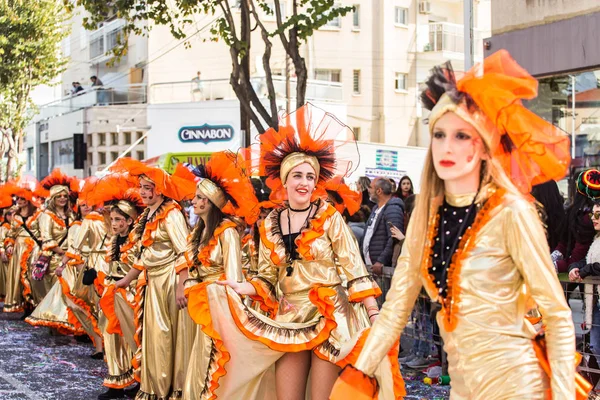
<point>30,159</point>
<point>400,83</point>
<point>139,136</point>
<point>114,155</point>
<point>356,81</point>
<point>356,17</point>
<point>331,75</point>
<point>102,158</point>
<point>140,155</point>
<point>337,21</point>
<point>67,46</point>
<point>90,158</point>
<point>102,139</point>
<point>271,14</point>
<point>83,37</point>
<point>114,138</point>
<point>356,130</point>
<point>127,137</point>
<point>401,16</point>
<point>90,141</point>
<point>62,152</point>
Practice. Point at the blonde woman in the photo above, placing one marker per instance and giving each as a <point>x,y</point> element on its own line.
<point>475,242</point>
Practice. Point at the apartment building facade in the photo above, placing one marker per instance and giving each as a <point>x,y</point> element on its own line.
<point>365,67</point>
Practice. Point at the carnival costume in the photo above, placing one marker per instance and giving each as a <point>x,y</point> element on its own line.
<point>5,204</point>
<point>21,241</point>
<point>53,310</point>
<point>480,250</point>
<point>164,334</point>
<point>118,329</point>
<point>314,312</point>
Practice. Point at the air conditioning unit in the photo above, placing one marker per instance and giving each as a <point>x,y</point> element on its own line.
<point>425,7</point>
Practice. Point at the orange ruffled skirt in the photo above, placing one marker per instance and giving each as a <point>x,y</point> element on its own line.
<point>240,346</point>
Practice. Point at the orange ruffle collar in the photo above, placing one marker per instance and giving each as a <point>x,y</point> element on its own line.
<point>94,216</point>
<point>204,254</point>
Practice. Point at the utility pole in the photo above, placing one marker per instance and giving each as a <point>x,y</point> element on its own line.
<point>573,134</point>
<point>245,64</point>
<point>468,33</point>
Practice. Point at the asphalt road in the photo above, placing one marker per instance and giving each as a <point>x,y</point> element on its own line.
<point>37,366</point>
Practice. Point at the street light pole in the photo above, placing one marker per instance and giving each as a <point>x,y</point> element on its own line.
<point>468,33</point>
<point>573,82</point>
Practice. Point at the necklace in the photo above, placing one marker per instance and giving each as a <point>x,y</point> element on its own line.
<point>289,269</point>
<point>451,302</point>
<point>302,210</point>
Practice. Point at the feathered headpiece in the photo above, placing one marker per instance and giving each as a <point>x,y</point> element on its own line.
<point>342,197</point>
<point>173,187</point>
<point>224,184</point>
<point>489,97</point>
<point>115,189</point>
<point>26,187</point>
<point>308,135</point>
<point>5,197</point>
<point>55,183</point>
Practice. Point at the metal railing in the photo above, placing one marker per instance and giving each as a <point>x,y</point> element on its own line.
<point>95,96</point>
<point>445,36</point>
<point>220,89</point>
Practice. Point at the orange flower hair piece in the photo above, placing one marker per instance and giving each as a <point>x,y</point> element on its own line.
<point>342,197</point>
<point>223,171</point>
<point>315,134</point>
<point>173,187</point>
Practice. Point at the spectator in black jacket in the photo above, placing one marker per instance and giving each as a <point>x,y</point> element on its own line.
<point>378,243</point>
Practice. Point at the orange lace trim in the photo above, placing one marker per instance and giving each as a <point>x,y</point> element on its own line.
<point>151,226</point>
<point>246,239</point>
<point>77,222</point>
<point>451,303</point>
<point>94,217</point>
<point>55,217</point>
<point>140,293</point>
<point>204,255</point>
<point>83,305</point>
<point>6,225</point>
<point>64,328</point>
<point>314,231</point>
<point>107,303</point>
<point>264,297</point>
<point>199,310</point>
<point>99,283</point>
<point>24,264</point>
<point>270,245</point>
<point>35,216</point>
<point>9,242</point>
<point>75,259</point>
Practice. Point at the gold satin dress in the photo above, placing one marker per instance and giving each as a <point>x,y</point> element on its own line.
<point>4,228</point>
<point>55,310</point>
<point>166,332</point>
<point>18,273</point>
<point>314,312</point>
<point>87,247</point>
<point>490,351</point>
<point>220,259</point>
<point>119,348</point>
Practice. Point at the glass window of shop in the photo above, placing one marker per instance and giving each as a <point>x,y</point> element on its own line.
<point>62,152</point>
<point>558,97</point>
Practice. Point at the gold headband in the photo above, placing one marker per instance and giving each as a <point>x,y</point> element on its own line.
<point>127,208</point>
<point>477,119</point>
<point>212,192</point>
<point>292,160</point>
<point>57,189</point>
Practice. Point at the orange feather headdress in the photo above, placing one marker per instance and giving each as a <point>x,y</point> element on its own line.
<point>173,187</point>
<point>222,181</point>
<point>308,135</point>
<point>26,187</point>
<point>55,183</point>
<point>489,97</point>
<point>115,189</point>
<point>342,197</point>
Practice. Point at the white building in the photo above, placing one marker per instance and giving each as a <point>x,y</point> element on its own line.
<point>365,67</point>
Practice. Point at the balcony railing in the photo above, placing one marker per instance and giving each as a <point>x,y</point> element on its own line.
<point>220,89</point>
<point>96,96</point>
<point>103,40</point>
<point>447,37</point>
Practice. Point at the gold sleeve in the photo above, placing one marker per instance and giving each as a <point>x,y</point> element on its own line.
<point>232,263</point>
<point>405,287</point>
<point>345,247</point>
<point>79,239</point>
<point>45,222</point>
<point>178,232</point>
<point>526,243</point>
<point>266,279</point>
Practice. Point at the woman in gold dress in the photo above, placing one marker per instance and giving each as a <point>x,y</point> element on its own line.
<point>164,334</point>
<point>87,248</point>
<point>19,244</point>
<point>7,214</point>
<point>214,245</point>
<point>475,242</point>
<point>305,249</point>
<point>123,204</point>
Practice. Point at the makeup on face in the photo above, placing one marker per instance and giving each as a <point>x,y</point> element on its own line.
<point>456,148</point>
<point>118,223</point>
<point>300,183</point>
<point>147,192</point>
<point>201,203</point>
